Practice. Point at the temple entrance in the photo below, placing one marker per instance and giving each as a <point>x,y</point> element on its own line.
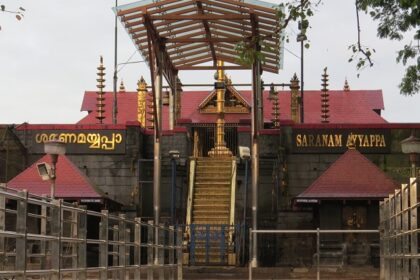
<point>204,140</point>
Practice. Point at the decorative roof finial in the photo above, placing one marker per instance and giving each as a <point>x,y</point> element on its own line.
<point>276,109</point>
<point>141,101</point>
<point>346,86</point>
<point>100,99</point>
<point>122,87</point>
<point>325,98</point>
<point>295,102</point>
<point>150,111</point>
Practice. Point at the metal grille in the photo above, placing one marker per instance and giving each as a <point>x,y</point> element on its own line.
<point>40,237</point>
<point>206,137</point>
<point>400,234</point>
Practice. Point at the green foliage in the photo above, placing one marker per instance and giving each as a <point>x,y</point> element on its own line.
<point>398,20</point>
<point>18,13</point>
<point>292,11</point>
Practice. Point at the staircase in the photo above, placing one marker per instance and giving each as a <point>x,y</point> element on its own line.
<point>210,210</point>
<point>332,253</point>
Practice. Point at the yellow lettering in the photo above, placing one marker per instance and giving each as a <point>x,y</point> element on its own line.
<point>298,140</point>
<point>95,140</point>
<point>351,140</point>
<point>382,143</point>
<point>81,138</point>
<point>318,141</point>
<point>53,136</point>
<point>330,141</point>
<point>304,141</point>
<point>365,141</point>
<point>360,138</point>
<point>377,140</point>
<point>324,140</point>
<point>311,140</point>
<point>372,140</point>
<point>118,138</point>
<point>338,142</point>
<point>68,138</point>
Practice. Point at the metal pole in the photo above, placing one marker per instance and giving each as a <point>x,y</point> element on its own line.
<point>302,105</point>
<point>54,159</point>
<point>250,254</point>
<point>254,156</point>
<point>317,254</point>
<point>245,208</point>
<point>114,107</point>
<point>157,149</point>
<point>173,190</point>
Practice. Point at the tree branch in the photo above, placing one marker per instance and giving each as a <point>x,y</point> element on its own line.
<point>359,44</point>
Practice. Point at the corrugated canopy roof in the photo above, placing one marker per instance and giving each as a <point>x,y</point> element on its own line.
<point>192,32</point>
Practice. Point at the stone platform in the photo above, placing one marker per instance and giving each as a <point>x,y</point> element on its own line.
<point>283,273</point>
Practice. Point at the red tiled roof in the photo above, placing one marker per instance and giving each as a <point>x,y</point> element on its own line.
<point>127,107</point>
<point>356,106</point>
<point>70,182</point>
<point>351,176</point>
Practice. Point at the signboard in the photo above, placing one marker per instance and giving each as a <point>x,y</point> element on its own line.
<point>83,141</point>
<point>340,140</point>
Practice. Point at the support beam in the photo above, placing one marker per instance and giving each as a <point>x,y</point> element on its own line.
<point>199,17</point>
<point>168,68</point>
<point>208,33</point>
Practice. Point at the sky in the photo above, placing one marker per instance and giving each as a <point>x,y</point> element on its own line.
<point>49,59</point>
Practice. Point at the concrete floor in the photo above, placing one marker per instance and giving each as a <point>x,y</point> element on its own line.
<point>345,273</point>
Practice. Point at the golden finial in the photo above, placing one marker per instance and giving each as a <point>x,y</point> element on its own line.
<point>294,96</point>
<point>325,98</point>
<point>276,109</point>
<point>150,112</point>
<point>122,87</point>
<point>101,85</point>
<point>346,86</point>
<point>141,101</point>
<point>178,98</point>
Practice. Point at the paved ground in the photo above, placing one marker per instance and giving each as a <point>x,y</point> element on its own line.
<point>346,273</point>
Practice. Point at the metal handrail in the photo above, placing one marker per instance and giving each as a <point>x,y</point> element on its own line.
<point>318,232</point>
<point>65,245</point>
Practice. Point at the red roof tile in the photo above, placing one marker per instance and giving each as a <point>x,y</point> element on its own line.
<point>356,106</point>
<point>127,107</point>
<point>351,176</point>
<point>70,183</point>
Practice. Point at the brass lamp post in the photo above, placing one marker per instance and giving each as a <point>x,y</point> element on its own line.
<point>54,148</point>
<point>411,146</point>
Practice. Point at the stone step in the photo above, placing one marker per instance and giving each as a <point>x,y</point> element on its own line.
<point>215,196</point>
<point>211,221</point>
<point>202,199</point>
<point>210,213</point>
<point>212,184</point>
<point>213,177</point>
<point>211,206</point>
<point>213,167</point>
<point>210,191</point>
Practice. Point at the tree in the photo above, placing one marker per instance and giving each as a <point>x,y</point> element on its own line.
<point>18,13</point>
<point>397,20</point>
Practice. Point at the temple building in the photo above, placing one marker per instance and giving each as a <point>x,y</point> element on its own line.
<point>216,162</point>
<point>328,172</point>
